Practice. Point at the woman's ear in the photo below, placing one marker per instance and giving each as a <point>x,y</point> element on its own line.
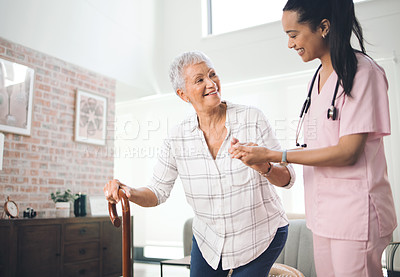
<point>182,95</point>
<point>325,27</point>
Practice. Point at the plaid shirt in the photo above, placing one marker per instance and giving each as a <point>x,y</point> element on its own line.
<point>237,211</point>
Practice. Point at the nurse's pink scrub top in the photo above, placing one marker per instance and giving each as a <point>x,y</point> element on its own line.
<point>338,199</point>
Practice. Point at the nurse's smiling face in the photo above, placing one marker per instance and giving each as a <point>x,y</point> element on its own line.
<point>308,43</point>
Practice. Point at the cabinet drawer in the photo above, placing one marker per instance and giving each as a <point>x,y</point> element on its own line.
<point>90,269</point>
<point>82,231</point>
<point>81,251</point>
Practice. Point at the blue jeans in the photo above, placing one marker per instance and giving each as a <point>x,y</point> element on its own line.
<point>259,267</point>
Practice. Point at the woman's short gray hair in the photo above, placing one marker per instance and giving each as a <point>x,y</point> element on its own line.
<point>181,62</point>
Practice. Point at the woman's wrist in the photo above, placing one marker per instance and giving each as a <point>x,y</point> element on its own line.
<point>266,173</point>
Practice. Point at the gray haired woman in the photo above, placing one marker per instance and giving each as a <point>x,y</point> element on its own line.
<point>239,220</point>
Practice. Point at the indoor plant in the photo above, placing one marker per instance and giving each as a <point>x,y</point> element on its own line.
<point>62,201</point>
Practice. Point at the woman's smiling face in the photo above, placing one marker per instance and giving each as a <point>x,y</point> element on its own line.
<point>308,43</point>
<point>202,86</point>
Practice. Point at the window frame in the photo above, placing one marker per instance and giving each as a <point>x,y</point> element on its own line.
<point>208,27</point>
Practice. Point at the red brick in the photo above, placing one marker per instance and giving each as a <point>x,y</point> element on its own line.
<point>17,197</point>
<point>47,205</point>
<point>42,102</point>
<point>53,67</point>
<point>60,77</point>
<point>29,189</point>
<point>49,111</point>
<point>38,94</point>
<point>38,197</point>
<point>24,50</point>
<point>5,43</point>
<point>31,60</point>
<point>4,179</point>
<point>12,54</point>
<point>42,133</point>
<point>34,172</point>
<point>68,72</point>
<point>11,171</point>
<point>11,154</point>
<point>56,182</point>
<point>44,87</point>
<point>30,156</point>
<point>19,180</point>
<point>21,146</point>
<point>43,71</point>
<point>31,139</point>
<point>36,124</point>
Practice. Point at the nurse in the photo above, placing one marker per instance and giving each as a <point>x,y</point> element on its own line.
<point>349,202</point>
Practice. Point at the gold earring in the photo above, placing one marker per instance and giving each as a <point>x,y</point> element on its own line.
<point>323,36</point>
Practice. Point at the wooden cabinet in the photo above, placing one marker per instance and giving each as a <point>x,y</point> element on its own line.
<point>39,250</point>
<point>81,246</point>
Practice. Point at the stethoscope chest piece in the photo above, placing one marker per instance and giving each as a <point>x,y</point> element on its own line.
<point>332,113</point>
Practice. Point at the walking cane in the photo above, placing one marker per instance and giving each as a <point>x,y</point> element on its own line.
<point>126,232</point>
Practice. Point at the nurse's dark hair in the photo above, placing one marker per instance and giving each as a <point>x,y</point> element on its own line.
<point>343,23</point>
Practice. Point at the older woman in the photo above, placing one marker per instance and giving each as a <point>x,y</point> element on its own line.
<point>239,220</point>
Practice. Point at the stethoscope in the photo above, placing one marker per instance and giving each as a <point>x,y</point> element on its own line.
<point>332,111</point>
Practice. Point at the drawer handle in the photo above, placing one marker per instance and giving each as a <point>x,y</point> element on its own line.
<point>82,251</point>
<point>82,231</point>
<point>82,272</point>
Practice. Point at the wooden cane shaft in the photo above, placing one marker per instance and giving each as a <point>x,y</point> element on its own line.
<point>126,232</point>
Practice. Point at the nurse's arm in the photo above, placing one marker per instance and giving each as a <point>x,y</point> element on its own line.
<point>345,153</point>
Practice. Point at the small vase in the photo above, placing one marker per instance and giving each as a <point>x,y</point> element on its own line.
<point>80,205</point>
<point>62,209</point>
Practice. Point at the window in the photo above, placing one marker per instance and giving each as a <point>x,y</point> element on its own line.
<point>231,15</point>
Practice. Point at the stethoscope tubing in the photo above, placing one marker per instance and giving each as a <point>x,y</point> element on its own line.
<point>307,103</point>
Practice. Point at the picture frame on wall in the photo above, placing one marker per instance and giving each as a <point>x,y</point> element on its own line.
<point>16,96</point>
<point>90,118</point>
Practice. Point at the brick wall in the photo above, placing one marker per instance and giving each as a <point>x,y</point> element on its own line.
<point>50,159</point>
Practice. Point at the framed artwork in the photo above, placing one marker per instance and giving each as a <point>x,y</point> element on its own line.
<point>90,118</point>
<point>16,96</point>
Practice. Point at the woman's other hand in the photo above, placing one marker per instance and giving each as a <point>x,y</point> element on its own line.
<point>111,191</point>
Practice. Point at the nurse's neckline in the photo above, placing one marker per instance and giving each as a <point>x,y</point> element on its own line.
<point>322,85</point>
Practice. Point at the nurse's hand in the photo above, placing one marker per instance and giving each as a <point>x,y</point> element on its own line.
<point>111,191</point>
